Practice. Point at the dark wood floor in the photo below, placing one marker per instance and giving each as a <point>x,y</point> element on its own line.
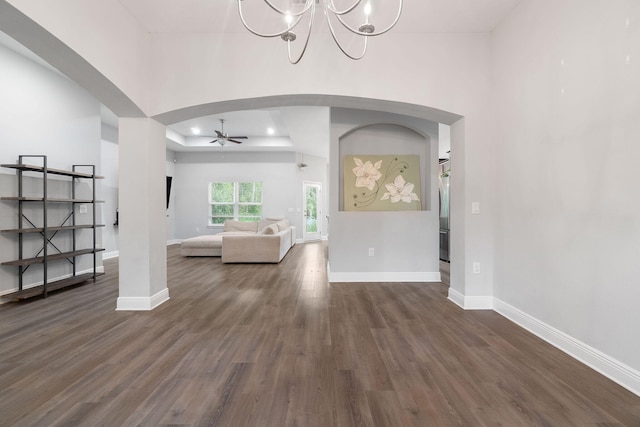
<point>276,345</point>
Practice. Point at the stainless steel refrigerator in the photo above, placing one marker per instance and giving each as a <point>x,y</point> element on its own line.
<point>445,171</point>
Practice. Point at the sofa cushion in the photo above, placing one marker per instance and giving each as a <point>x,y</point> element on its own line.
<point>206,241</point>
<point>232,225</point>
<point>283,225</point>
<point>207,245</point>
<point>270,229</point>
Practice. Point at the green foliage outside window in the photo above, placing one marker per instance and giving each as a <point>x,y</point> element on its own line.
<point>312,215</point>
<point>222,192</point>
<point>241,201</point>
<point>250,192</point>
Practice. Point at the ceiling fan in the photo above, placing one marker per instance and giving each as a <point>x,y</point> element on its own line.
<point>222,138</point>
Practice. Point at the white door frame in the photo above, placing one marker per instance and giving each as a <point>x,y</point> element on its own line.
<point>306,236</point>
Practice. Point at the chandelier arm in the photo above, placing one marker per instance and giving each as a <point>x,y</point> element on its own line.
<point>332,7</point>
<point>366,30</point>
<point>306,42</point>
<point>335,39</point>
<point>377,33</point>
<point>252,31</point>
<point>307,6</point>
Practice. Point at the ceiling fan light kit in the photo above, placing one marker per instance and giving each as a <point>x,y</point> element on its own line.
<point>292,19</point>
<point>222,138</point>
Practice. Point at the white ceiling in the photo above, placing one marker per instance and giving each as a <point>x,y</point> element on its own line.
<point>302,129</point>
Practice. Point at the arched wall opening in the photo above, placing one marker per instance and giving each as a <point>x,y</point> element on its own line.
<point>377,237</point>
<point>422,121</point>
<point>371,112</point>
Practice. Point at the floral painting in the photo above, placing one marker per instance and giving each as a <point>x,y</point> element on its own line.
<point>381,183</point>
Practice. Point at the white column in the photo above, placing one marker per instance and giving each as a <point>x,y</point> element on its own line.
<point>458,217</point>
<point>142,205</point>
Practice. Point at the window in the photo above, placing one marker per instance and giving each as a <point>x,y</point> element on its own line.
<point>241,201</point>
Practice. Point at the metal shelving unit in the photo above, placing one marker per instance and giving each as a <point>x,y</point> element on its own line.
<point>49,252</point>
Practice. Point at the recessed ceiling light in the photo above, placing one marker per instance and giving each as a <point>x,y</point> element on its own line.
<point>270,131</point>
<point>195,131</point>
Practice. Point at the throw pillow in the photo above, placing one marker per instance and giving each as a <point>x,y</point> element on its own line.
<point>271,229</point>
<point>265,223</point>
<point>283,225</point>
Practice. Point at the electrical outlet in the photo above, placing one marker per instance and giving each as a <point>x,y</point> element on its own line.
<point>371,252</point>
<point>83,209</point>
<point>476,268</point>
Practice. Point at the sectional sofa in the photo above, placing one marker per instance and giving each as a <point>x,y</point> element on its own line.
<point>267,240</point>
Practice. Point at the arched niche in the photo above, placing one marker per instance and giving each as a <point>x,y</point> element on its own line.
<point>388,139</point>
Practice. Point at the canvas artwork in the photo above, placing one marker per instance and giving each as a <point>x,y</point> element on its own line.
<point>382,183</point>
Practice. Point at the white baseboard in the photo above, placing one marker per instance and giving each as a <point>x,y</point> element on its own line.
<point>471,302</point>
<point>109,255</point>
<point>456,297</point>
<point>611,368</point>
<point>142,303</point>
<point>385,276</point>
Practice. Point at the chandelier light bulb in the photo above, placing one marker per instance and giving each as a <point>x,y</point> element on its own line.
<point>367,12</point>
<point>367,9</point>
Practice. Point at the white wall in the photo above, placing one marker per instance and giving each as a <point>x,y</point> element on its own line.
<point>109,167</point>
<point>115,45</point>
<point>42,112</point>
<point>407,74</point>
<point>405,243</point>
<point>279,173</point>
<point>567,96</point>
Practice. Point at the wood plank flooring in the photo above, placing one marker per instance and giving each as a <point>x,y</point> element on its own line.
<point>276,345</point>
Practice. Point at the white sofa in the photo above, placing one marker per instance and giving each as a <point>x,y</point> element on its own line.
<point>267,241</point>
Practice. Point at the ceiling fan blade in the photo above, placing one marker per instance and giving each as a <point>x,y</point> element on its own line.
<point>219,134</point>
<point>215,140</point>
<point>233,140</point>
<point>238,137</point>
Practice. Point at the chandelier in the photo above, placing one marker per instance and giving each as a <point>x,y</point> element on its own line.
<point>291,19</point>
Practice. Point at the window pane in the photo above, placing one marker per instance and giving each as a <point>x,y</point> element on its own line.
<point>250,192</point>
<point>222,210</point>
<point>222,192</point>
<point>219,220</point>
<point>249,210</point>
<point>249,218</point>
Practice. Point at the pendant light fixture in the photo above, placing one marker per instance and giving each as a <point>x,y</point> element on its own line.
<point>290,20</point>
